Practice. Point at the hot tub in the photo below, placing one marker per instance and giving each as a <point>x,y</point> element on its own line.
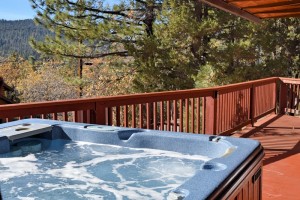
<point>44,159</point>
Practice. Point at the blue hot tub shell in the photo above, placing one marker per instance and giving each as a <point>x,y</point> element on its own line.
<point>232,158</point>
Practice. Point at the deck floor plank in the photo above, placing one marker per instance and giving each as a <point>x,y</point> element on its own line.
<point>280,137</point>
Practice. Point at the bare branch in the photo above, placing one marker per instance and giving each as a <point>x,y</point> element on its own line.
<point>102,55</point>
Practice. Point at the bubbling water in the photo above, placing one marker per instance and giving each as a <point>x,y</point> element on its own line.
<point>81,170</point>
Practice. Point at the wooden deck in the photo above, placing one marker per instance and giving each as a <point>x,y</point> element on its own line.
<point>217,110</point>
<point>280,137</point>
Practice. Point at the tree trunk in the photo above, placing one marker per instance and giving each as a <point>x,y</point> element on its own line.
<point>80,67</point>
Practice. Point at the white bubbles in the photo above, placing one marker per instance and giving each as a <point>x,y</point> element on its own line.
<point>18,167</point>
<point>81,170</point>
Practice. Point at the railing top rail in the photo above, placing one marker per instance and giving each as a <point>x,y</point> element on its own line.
<point>290,80</point>
<point>146,97</point>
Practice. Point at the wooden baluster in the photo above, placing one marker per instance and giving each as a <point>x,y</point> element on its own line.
<point>148,116</point>
<point>133,120</point>
<point>162,125</point>
<point>175,115</point>
<point>53,116</point>
<point>193,115</point>
<point>187,121</point>
<point>168,116</point>
<point>221,111</point>
<point>198,116</point>
<point>203,115</point>
<point>229,107</point>
<point>125,116</point>
<point>215,110</point>
<point>154,115</point>
<point>181,115</point>
<point>140,115</point>
<point>65,115</point>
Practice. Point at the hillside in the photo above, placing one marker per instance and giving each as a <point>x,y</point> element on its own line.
<point>14,37</point>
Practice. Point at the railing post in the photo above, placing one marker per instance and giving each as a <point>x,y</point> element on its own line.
<point>79,117</point>
<point>92,116</point>
<point>283,98</point>
<point>100,114</point>
<point>252,104</point>
<point>216,94</point>
<point>210,114</point>
<point>82,116</point>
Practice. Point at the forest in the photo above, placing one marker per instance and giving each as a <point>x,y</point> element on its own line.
<point>91,48</point>
<point>14,37</point>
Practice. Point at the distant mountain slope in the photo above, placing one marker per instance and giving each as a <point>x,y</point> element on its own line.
<point>14,37</point>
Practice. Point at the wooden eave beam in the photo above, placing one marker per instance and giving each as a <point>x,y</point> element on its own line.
<point>264,1</point>
<point>276,8</point>
<point>232,9</point>
<point>273,5</point>
<point>264,5</point>
<point>246,3</point>
<point>278,15</point>
<point>292,10</point>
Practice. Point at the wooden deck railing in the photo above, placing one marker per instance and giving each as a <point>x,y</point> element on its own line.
<point>217,110</point>
<point>290,96</point>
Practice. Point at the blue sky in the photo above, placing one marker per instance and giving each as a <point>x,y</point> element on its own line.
<point>16,9</point>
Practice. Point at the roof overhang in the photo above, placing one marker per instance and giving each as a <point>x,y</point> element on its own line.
<point>256,10</point>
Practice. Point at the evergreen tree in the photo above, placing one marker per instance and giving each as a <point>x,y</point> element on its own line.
<point>87,29</point>
<point>279,41</point>
<point>170,57</point>
<point>240,50</point>
<point>14,37</point>
<point>173,43</point>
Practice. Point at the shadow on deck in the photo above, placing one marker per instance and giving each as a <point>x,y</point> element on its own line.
<point>280,137</point>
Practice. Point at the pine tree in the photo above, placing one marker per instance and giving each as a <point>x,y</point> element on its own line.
<point>170,57</point>
<point>14,36</point>
<point>173,44</point>
<point>240,50</point>
<point>88,29</point>
<point>79,31</point>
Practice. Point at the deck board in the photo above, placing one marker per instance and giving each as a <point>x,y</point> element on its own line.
<point>280,137</point>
